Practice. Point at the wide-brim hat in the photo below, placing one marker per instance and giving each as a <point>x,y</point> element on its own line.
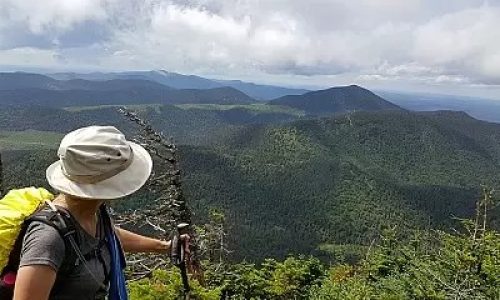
<point>97,162</point>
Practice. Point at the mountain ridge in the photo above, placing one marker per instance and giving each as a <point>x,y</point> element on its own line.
<point>36,89</point>
<point>181,81</point>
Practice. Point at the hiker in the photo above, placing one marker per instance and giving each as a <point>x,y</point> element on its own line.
<point>95,164</point>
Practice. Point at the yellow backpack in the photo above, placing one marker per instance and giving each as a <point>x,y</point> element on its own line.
<point>15,208</point>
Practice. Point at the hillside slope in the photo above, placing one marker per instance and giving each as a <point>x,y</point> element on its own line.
<point>186,124</point>
<point>335,183</point>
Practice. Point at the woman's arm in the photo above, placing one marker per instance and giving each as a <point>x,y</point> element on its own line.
<point>133,242</point>
<point>34,282</point>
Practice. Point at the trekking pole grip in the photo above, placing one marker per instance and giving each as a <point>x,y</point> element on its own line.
<point>177,257</point>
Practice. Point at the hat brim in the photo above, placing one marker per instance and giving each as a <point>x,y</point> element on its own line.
<point>123,184</point>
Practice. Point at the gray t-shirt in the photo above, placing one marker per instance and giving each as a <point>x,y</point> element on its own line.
<point>43,245</point>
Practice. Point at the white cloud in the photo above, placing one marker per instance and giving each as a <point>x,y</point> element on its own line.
<point>466,42</point>
<point>437,42</point>
<point>50,15</point>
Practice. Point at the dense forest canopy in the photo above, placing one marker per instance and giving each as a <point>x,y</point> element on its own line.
<point>341,179</point>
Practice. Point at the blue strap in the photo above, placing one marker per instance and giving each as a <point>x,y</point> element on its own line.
<point>117,284</point>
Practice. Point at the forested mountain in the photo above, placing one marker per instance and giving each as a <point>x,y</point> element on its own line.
<point>325,186</point>
<point>180,81</point>
<point>126,95</point>
<point>341,181</point>
<point>336,100</point>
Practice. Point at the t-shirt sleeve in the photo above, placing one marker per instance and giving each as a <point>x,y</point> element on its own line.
<point>42,245</point>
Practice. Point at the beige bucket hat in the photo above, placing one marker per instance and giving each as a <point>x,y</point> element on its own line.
<point>97,162</point>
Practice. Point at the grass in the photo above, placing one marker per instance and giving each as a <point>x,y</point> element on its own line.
<point>255,107</point>
<point>134,107</point>
<point>29,140</point>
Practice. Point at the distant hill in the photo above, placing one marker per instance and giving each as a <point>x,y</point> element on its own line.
<point>336,100</point>
<point>261,92</point>
<point>34,89</point>
<point>180,81</point>
<point>482,109</point>
<point>19,81</point>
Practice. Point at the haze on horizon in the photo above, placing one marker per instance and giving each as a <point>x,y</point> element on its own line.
<point>429,46</point>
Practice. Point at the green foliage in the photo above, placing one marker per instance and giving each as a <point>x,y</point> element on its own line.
<point>293,278</point>
<point>289,279</point>
<point>431,265</point>
<point>167,284</point>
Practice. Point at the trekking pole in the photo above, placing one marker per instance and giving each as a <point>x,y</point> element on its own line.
<point>178,257</point>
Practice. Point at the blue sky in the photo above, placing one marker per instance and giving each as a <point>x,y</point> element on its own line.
<point>436,46</point>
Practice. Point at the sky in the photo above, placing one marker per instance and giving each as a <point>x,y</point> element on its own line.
<point>431,46</point>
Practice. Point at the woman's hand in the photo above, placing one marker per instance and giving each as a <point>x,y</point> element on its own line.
<point>185,238</point>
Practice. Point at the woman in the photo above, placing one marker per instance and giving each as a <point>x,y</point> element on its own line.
<point>95,164</point>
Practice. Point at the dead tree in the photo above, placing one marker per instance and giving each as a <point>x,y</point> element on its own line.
<point>212,236</point>
<point>169,209</point>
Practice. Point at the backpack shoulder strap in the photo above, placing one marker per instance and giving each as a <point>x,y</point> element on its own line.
<point>62,221</point>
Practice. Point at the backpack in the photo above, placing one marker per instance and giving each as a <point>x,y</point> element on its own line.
<point>17,210</point>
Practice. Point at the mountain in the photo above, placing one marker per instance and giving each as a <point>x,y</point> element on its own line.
<point>20,80</point>
<point>34,89</point>
<point>483,109</point>
<point>336,100</point>
<point>180,81</point>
